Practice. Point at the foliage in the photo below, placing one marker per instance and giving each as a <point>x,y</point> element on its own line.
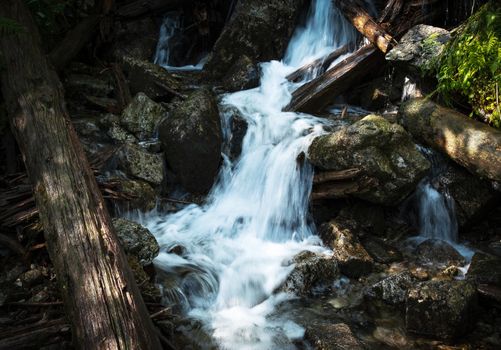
<point>471,64</point>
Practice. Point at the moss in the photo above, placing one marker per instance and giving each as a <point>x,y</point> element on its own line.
<point>471,64</point>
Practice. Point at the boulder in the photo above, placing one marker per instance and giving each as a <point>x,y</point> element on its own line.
<point>340,236</point>
<point>420,48</point>
<point>136,240</point>
<point>388,158</point>
<point>470,143</point>
<point>191,139</point>
<point>311,270</point>
<point>258,30</point>
<point>236,128</point>
<point>392,290</point>
<point>142,195</point>
<point>138,163</point>
<point>485,269</point>
<point>381,251</point>
<point>439,253</point>
<point>242,75</point>
<point>337,336</point>
<point>142,116</point>
<point>441,309</point>
<point>136,38</point>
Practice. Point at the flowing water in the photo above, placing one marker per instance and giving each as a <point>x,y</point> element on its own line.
<point>235,251</point>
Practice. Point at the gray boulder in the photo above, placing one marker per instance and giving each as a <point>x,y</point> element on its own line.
<point>392,290</point>
<point>337,336</point>
<point>310,270</point>
<point>136,240</point>
<point>436,252</point>
<point>390,162</point>
<point>191,138</point>
<point>138,163</point>
<point>142,116</point>
<point>441,309</point>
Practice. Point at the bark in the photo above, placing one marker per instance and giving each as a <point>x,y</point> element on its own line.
<point>355,12</point>
<point>319,92</point>
<point>320,64</point>
<point>74,42</point>
<point>100,295</point>
<point>472,144</point>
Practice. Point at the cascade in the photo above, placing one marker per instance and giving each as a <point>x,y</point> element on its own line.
<point>233,250</point>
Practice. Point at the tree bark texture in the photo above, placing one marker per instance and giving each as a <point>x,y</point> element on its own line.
<point>100,295</point>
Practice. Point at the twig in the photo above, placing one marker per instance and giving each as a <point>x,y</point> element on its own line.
<point>172,91</point>
<point>158,313</point>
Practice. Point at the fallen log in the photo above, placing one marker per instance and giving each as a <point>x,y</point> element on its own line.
<point>335,175</point>
<point>318,93</point>
<point>355,12</point>
<point>321,64</point>
<point>470,143</point>
<point>101,298</point>
<point>341,189</point>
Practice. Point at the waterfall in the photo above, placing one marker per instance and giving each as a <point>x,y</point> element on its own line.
<point>232,252</point>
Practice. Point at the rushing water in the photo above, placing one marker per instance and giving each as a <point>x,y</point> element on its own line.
<point>234,251</point>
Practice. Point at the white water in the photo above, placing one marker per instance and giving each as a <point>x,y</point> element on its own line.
<point>237,247</point>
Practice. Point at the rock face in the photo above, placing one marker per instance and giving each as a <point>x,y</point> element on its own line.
<point>243,75</point>
<point>248,34</point>
<point>392,290</point>
<point>381,251</point>
<point>485,269</point>
<point>353,259</point>
<point>441,309</point>
<point>142,116</point>
<point>138,163</point>
<point>136,240</point>
<point>383,151</point>
<point>336,336</point>
<point>192,140</point>
<point>311,270</point>
<point>438,252</point>
<point>420,47</point>
<point>470,143</point>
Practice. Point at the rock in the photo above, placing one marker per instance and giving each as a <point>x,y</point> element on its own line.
<point>191,138</point>
<point>137,38</point>
<point>441,309</point>
<point>336,336</point>
<point>136,240</point>
<point>377,94</point>
<point>248,34</point>
<point>31,277</point>
<point>369,217</point>
<point>311,270</point>
<point>439,253</point>
<point>380,251</point>
<point>138,163</point>
<point>383,151</point>
<point>353,259</point>
<point>144,76</point>
<point>120,135</point>
<point>243,75</point>
<point>420,48</point>
<point>143,196</point>
<point>470,143</point>
<point>142,116</point>
<point>236,126</point>
<point>392,290</point>
<point>90,135</point>
<point>473,196</point>
<point>485,269</point>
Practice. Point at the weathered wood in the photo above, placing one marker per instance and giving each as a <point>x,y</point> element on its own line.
<point>355,12</point>
<point>140,7</point>
<point>335,175</point>
<point>101,298</point>
<point>320,64</point>
<point>470,143</point>
<point>319,92</point>
<point>74,42</point>
<point>341,189</point>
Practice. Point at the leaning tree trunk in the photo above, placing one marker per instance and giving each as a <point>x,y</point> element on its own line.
<point>101,298</point>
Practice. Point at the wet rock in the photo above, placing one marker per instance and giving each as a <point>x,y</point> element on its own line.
<point>353,259</point>
<point>120,135</point>
<point>311,270</point>
<point>248,34</point>
<point>142,116</point>
<point>485,269</point>
<point>191,138</point>
<point>137,38</point>
<point>144,76</point>
<point>243,75</point>
<point>136,240</point>
<point>237,126</point>
<point>138,163</point>
<point>439,253</point>
<point>371,218</point>
<point>375,95</point>
<point>91,136</point>
<point>336,336</point>
<point>392,290</point>
<point>380,251</point>
<point>142,195</point>
<point>441,309</point>
<point>420,47</point>
<point>386,154</point>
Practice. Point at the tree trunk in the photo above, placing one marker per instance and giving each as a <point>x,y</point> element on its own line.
<point>355,12</point>
<point>319,92</point>
<point>472,144</point>
<point>100,295</point>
